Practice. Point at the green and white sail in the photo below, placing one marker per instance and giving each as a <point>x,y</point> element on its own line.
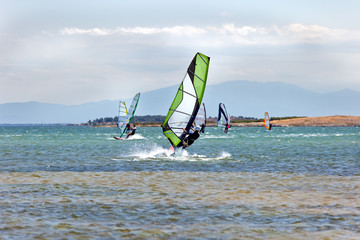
<point>186,104</point>
<point>126,116</point>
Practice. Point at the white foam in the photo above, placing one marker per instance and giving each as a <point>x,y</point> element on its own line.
<point>136,137</point>
<point>216,136</point>
<point>133,137</point>
<point>160,153</point>
<point>153,153</point>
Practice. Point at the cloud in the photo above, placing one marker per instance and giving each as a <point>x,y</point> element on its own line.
<point>231,34</point>
<point>176,30</point>
<point>98,62</point>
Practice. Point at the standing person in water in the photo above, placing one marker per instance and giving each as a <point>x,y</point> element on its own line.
<point>190,139</point>
<point>132,129</point>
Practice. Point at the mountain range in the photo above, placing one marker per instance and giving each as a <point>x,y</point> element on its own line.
<point>242,98</point>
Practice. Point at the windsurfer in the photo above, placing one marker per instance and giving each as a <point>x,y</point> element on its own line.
<point>227,128</point>
<point>132,129</point>
<point>190,139</point>
<point>202,130</point>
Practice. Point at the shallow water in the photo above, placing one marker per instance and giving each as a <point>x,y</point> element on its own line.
<point>80,183</point>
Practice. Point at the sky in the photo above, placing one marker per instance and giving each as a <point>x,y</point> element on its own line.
<point>73,52</point>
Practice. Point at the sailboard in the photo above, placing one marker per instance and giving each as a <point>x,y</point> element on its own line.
<point>200,120</point>
<point>125,115</point>
<point>267,121</point>
<point>223,121</point>
<point>187,101</point>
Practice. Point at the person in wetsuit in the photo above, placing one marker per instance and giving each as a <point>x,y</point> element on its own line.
<point>132,129</point>
<point>190,139</point>
<point>202,130</point>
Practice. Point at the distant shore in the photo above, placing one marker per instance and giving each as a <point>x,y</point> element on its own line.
<point>326,121</point>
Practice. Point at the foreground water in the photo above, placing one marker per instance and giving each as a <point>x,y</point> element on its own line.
<point>80,183</point>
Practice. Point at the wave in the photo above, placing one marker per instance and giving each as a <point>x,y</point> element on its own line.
<point>216,136</point>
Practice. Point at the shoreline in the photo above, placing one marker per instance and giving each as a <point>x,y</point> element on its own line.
<point>326,121</point>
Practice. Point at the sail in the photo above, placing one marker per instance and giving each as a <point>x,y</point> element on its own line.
<point>122,118</point>
<point>267,121</point>
<point>133,107</point>
<point>223,118</point>
<point>126,116</point>
<point>200,120</point>
<point>187,101</point>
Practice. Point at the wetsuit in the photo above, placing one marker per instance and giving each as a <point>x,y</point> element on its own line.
<point>133,130</point>
<point>190,139</point>
<point>202,128</point>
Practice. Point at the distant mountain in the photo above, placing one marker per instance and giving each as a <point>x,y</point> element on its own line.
<point>242,98</point>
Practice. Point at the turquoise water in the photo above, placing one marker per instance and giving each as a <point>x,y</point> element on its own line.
<point>81,183</point>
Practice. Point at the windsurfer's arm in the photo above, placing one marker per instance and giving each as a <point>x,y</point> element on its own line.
<point>186,132</point>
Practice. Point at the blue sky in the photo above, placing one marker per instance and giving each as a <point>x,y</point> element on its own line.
<point>73,52</point>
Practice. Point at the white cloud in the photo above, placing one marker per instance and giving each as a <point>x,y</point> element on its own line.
<point>176,30</point>
<point>98,62</point>
<point>231,34</point>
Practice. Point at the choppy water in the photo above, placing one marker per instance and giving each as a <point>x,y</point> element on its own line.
<point>80,183</point>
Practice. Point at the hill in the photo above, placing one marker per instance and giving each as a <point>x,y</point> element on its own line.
<point>242,98</point>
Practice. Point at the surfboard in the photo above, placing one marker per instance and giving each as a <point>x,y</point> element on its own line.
<point>117,138</point>
<point>171,150</point>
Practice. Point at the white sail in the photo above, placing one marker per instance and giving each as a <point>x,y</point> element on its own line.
<point>267,121</point>
<point>200,120</point>
<point>223,118</point>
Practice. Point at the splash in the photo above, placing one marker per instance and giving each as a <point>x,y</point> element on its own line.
<point>159,153</point>
<point>136,137</point>
<point>224,155</point>
<point>154,153</point>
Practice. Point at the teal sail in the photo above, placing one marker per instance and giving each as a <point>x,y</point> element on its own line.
<point>126,116</point>
<point>186,104</point>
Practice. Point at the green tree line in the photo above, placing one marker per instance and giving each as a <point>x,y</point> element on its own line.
<point>160,119</point>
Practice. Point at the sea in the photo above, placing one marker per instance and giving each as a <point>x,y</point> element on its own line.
<point>78,182</point>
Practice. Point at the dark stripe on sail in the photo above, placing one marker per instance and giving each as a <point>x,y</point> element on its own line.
<point>188,93</point>
<point>180,112</point>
